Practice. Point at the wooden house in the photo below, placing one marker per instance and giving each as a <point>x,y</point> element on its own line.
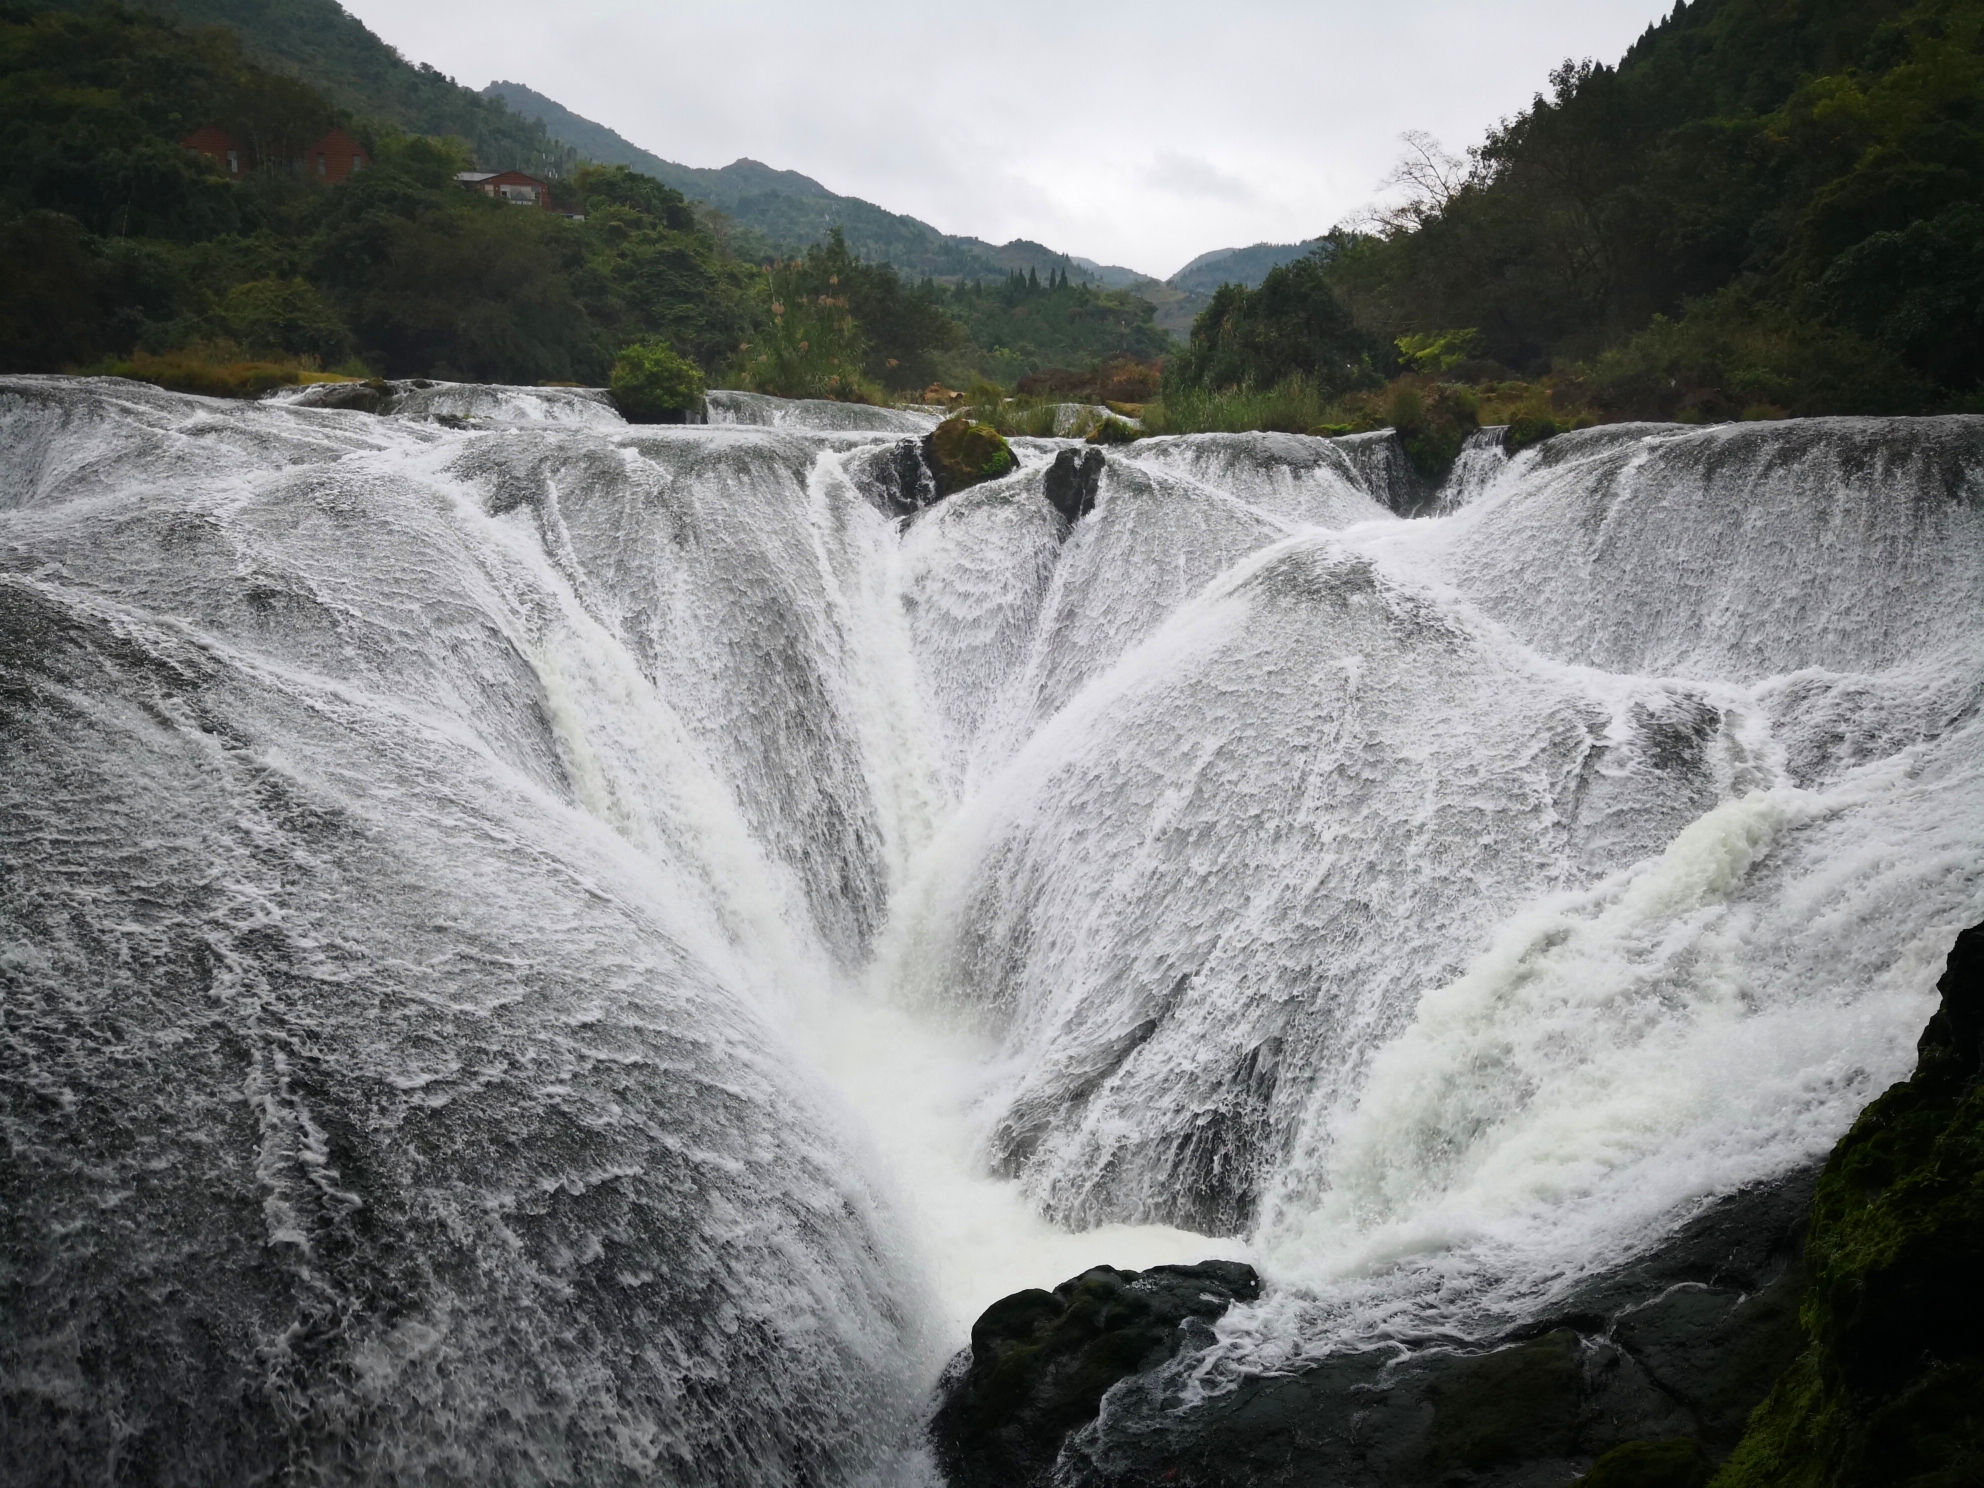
<point>335,158</point>
<point>218,146</point>
<point>511,186</point>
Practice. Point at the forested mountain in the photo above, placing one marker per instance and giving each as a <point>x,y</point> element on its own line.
<point>122,243</point>
<point>1766,207</point>
<point>1246,267</point>
<point>788,212</point>
<point>321,43</point>
<point>130,252</point>
<point>1769,203</point>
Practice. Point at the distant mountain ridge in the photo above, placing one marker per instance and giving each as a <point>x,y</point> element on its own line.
<point>510,125</point>
<point>791,211</point>
<point>1246,267</point>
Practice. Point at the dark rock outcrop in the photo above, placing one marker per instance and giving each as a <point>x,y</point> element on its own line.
<point>1040,1362</point>
<point>961,453</point>
<point>1658,1364</point>
<point>1676,1346</point>
<point>372,396</point>
<point>893,477</point>
<point>1738,1352</point>
<point>1890,1386</point>
<point>1072,482</point>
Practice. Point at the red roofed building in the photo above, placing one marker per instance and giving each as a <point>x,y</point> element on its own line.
<point>511,186</point>
<point>217,145</point>
<point>335,159</point>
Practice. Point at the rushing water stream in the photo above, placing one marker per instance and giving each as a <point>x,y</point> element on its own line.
<point>544,951</point>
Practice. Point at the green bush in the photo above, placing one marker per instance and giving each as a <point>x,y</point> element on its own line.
<point>213,370</point>
<point>652,385</point>
<point>1528,429</point>
<point>1433,422</point>
<point>284,317</point>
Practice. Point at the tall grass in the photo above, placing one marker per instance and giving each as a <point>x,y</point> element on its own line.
<point>1028,417</point>
<point>220,370</point>
<point>1295,406</point>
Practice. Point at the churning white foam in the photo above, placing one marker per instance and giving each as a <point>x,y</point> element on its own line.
<point>703,905</point>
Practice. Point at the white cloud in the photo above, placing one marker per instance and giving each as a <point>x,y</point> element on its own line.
<point>1200,180</point>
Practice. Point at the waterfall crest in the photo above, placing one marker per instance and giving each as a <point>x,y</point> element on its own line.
<point>513,924</point>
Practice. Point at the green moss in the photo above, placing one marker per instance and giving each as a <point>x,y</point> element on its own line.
<point>963,453</point>
<point>1890,1388</point>
<point>1113,431</point>
<point>1650,1464</point>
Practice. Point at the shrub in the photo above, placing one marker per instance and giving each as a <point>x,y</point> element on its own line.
<point>652,385</point>
<point>1293,406</point>
<point>284,317</point>
<point>1528,429</point>
<point>1433,422</point>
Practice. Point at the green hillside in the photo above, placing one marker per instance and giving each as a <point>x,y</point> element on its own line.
<point>122,245</point>
<point>319,42</point>
<point>1246,267</point>
<point>1767,207</point>
<point>1770,203</point>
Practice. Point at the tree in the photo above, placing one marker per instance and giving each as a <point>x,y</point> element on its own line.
<point>1293,325</point>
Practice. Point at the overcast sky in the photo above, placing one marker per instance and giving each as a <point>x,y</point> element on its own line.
<point>1133,134</point>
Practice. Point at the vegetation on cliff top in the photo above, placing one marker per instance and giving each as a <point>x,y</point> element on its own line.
<point>1763,209</point>
<point>122,244</point>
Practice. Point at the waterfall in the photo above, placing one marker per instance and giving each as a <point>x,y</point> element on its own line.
<point>544,950</point>
<point>1482,458</point>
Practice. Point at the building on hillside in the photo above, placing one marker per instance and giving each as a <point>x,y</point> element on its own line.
<point>511,186</point>
<point>218,146</point>
<point>335,158</point>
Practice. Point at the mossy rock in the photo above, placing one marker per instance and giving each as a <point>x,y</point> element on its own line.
<point>1890,1389</point>
<point>961,453</point>
<point>1114,431</point>
<point>1678,1463</point>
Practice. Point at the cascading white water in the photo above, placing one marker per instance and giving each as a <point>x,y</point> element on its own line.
<point>1483,457</point>
<point>541,949</point>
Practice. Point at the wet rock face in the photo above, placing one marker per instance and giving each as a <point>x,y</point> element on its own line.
<point>1040,1362</point>
<point>1072,482</point>
<point>371,396</point>
<point>893,477</point>
<point>1675,1348</point>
